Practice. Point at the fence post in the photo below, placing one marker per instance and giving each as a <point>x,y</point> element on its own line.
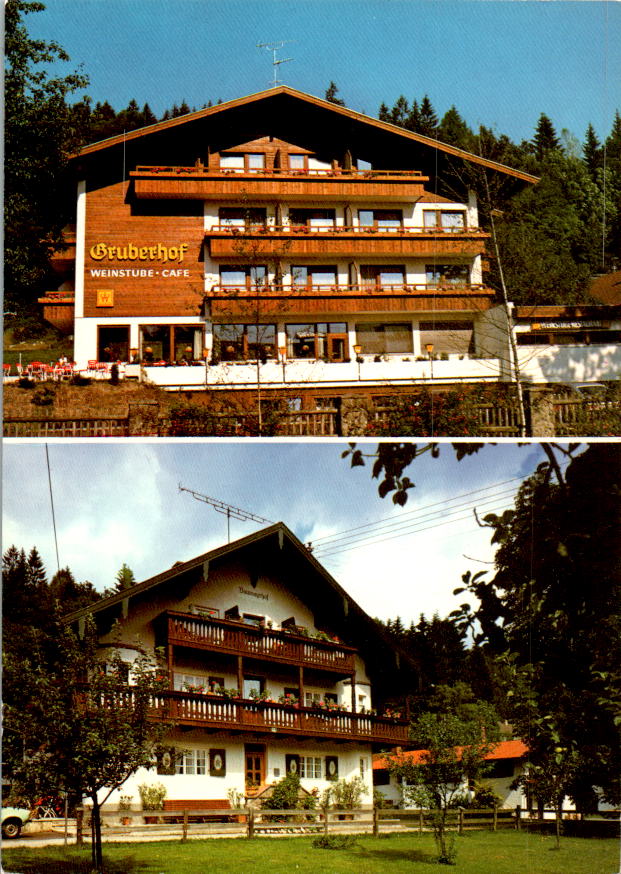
<point>495,825</point>
<point>518,815</point>
<point>79,821</point>
<point>421,820</point>
<point>251,822</point>
<point>461,820</point>
<point>185,826</point>
<point>375,822</point>
<point>325,820</point>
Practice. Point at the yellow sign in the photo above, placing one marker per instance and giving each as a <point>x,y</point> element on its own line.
<point>105,298</point>
<point>130,252</point>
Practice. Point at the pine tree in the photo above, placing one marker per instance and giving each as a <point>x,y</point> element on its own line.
<point>400,112</point>
<point>384,113</point>
<point>428,118</point>
<point>545,139</point>
<point>124,578</point>
<point>147,115</point>
<point>413,121</point>
<point>454,130</point>
<point>184,109</point>
<point>331,93</point>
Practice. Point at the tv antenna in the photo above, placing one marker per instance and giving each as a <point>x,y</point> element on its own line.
<point>227,509</point>
<point>273,48</point>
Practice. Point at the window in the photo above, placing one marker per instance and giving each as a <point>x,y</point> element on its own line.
<point>364,767</point>
<point>192,683</point>
<point>256,162</point>
<point>310,767</point>
<point>234,163</point>
<point>312,699</point>
<point>450,220</point>
<point>234,217</point>
<point>241,276</point>
<point>251,619</point>
<point>447,274</point>
<point>297,162</point>
<point>379,338</point>
<point>112,343</point>
<point>381,219</point>
<point>382,276</point>
<point>312,218</point>
<point>314,277</point>
<point>331,698</point>
<point>322,340</point>
<point>191,762</point>
<point>216,684</point>
<point>456,337</point>
<point>170,343</point>
<point>253,686</point>
<point>244,342</point>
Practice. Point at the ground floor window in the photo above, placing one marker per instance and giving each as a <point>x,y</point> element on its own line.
<point>113,343</point>
<point>191,762</point>
<point>242,342</point>
<point>378,337</point>
<point>326,340</point>
<point>445,337</point>
<point>310,767</point>
<point>171,343</point>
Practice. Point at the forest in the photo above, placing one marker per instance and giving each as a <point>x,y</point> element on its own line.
<point>553,237</point>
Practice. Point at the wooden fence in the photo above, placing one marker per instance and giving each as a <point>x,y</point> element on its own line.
<point>99,427</point>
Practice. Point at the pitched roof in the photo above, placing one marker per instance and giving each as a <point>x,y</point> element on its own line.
<point>284,91</point>
<point>505,749</point>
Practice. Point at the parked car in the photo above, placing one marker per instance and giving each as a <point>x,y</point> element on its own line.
<point>13,818</point>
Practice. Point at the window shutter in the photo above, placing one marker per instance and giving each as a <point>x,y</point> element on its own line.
<point>332,767</point>
<point>217,763</point>
<point>292,763</point>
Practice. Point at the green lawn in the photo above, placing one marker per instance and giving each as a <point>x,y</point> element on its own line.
<point>477,853</point>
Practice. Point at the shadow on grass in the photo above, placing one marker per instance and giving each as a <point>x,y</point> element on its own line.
<point>394,856</point>
<point>31,865</point>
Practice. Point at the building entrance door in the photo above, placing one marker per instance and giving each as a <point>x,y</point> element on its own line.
<point>255,765</point>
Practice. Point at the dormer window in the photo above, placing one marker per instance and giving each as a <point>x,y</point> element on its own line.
<point>256,162</point>
<point>297,162</point>
<point>234,163</point>
<point>253,162</point>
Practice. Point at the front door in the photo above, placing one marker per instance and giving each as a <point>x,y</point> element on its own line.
<point>255,766</point>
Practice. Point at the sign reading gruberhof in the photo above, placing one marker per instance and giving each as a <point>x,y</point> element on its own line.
<point>131,252</point>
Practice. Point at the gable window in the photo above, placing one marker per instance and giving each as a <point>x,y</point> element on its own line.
<point>238,162</point>
<point>389,220</point>
<point>450,220</point>
<point>447,274</point>
<point>256,162</point>
<point>298,162</point>
<point>233,163</point>
<point>243,342</point>
<point>380,338</point>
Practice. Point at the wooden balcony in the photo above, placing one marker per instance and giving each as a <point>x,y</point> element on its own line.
<point>342,242</point>
<point>347,292</point>
<point>63,260</point>
<point>201,183</point>
<point>239,715</point>
<point>239,639</point>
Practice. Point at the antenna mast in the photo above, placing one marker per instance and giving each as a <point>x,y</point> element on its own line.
<point>227,509</point>
<point>273,48</point>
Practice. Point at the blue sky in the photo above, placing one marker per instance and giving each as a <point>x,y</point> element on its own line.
<point>501,62</point>
<point>119,502</point>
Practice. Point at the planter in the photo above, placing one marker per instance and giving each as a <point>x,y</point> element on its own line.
<point>126,820</point>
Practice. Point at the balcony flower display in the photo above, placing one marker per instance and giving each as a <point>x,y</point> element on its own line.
<point>289,700</point>
<point>392,713</point>
<point>199,689</point>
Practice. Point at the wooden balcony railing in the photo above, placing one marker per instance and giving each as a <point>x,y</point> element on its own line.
<point>207,711</point>
<point>274,290</point>
<point>258,230</point>
<point>236,714</point>
<point>279,173</point>
<point>236,638</point>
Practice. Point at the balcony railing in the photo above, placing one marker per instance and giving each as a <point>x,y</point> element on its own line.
<point>357,290</point>
<point>258,230</point>
<point>237,714</point>
<point>263,716</point>
<point>237,638</point>
<point>280,173</point>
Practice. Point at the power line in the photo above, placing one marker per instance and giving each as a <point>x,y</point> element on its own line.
<point>49,479</point>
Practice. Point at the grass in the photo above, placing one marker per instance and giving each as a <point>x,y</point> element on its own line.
<point>477,853</point>
<point>50,346</point>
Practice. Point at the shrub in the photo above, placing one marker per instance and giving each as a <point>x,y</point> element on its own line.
<point>43,396</point>
<point>347,793</point>
<point>334,842</point>
<point>152,796</point>
<point>485,796</point>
